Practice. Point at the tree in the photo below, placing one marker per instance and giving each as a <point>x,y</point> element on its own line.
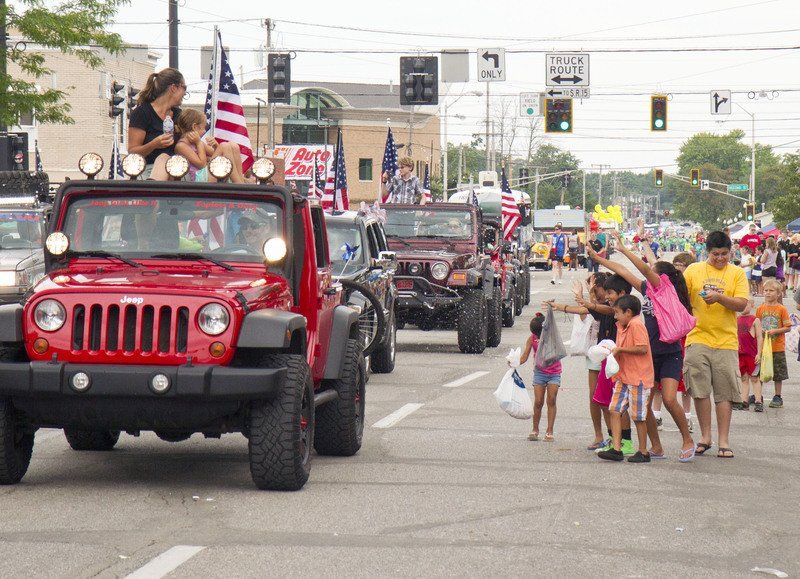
<point>76,27</point>
<point>786,207</point>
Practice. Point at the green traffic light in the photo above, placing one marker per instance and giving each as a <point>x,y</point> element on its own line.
<point>564,126</point>
<point>659,123</point>
<point>659,182</point>
<point>530,111</point>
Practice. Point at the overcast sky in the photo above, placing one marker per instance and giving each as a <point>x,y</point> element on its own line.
<point>612,127</point>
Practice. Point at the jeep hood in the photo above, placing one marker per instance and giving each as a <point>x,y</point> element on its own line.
<point>11,258</point>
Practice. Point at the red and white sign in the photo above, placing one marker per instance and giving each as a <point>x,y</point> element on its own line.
<point>299,160</point>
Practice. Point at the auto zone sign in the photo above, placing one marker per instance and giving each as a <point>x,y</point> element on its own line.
<point>299,160</point>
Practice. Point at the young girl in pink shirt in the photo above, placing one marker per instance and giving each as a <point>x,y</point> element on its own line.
<point>545,381</point>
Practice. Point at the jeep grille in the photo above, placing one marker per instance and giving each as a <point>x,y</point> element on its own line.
<point>164,329</point>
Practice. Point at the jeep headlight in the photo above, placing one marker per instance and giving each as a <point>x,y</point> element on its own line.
<point>439,270</point>
<point>49,315</point>
<point>213,319</point>
<point>8,278</point>
<point>274,249</point>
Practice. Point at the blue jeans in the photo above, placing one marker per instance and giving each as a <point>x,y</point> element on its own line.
<point>592,266</point>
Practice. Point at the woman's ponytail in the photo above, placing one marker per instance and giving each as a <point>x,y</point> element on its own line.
<point>158,83</point>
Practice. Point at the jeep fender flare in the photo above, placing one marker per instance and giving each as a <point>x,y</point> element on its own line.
<point>11,323</point>
<point>343,327</point>
<point>275,329</point>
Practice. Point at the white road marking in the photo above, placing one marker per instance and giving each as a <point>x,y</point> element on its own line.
<point>465,379</point>
<point>166,562</point>
<point>534,292</point>
<point>397,415</point>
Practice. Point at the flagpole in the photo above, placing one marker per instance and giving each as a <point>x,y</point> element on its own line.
<point>214,79</point>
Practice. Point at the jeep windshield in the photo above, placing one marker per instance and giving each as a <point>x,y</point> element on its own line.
<point>345,247</point>
<point>419,222</point>
<point>21,230</point>
<point>170,227</point>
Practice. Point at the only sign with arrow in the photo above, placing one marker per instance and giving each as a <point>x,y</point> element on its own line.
<point>720,102</point>
<point>491,64</point>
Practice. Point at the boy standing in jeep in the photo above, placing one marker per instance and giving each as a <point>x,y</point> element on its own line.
<point>405,187</point>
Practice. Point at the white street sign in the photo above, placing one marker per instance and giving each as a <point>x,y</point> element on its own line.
<point>578,92</point>
<point>567,69</point>
<point>491,64</point>
<point>705,185</point>
<point>720,102</point>
<point>529,104</point>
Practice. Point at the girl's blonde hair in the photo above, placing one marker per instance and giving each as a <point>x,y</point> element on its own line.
<point>774,284</point>
<point>772,245</point>
<point>187,120</point>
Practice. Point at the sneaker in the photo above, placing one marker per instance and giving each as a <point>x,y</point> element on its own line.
<point>659,424</point>
<point>612,454</point>
<point>759,406</point>
<point>736,406</point>
<point>560,282</point>
<point>552,281</point>
<point>639,457</point>
<point>745,406</point>
<point>752,399</point>
<point>627,447</point>
<point>777,402</point>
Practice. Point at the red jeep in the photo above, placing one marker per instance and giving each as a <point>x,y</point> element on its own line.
<point>181,308</point>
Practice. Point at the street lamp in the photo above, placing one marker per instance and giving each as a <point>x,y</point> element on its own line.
<point>258,124</point>
<point>445,164</point>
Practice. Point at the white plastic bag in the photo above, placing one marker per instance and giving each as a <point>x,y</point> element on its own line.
<point>580,337</point>
<point>601,351</point>
<point>511,394</point>
<point>612,366</point>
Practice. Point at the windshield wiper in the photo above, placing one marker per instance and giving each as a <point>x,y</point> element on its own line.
<point>108,255</point>
<point>194,257</point>
<point>400,239</point>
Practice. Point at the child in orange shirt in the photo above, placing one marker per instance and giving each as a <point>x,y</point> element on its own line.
<point>634,381</point>
<point>775,322</point>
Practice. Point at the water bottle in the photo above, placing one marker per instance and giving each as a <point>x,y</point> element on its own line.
<point>169,126</point>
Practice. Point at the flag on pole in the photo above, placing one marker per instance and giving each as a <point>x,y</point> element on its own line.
<point>389,164</point>
<point>224,107</point>
<point>510,211</point>
<point>426,185</point>
<point>316,187</point>
<point>335,197</point>
<point>39,166</point>
<point>115,166</point>
<point>473,198</point>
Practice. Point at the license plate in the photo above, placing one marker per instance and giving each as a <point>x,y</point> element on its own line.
<point>405,284</point>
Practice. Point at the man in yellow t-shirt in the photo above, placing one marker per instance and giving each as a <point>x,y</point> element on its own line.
<point>717,290</point>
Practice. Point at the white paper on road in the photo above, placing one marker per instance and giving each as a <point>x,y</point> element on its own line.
<point>166,562</point>
<point>397,415</point>
<point>465,379</point>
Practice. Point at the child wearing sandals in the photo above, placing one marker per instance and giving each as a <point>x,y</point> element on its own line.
<point>750,342</point>
<point>546,381</point>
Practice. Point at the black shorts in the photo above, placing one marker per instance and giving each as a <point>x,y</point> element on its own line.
<point>769,272</point>
<point>558,258</point>
<point>668,366</point>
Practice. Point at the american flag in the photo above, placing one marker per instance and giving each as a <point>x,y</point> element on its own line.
<point>426,185</point>
<point>230,124</point>
<point>389,164</point>
<point>509,211</point>
<point>335,197</point>
<point>473,198</point>
<point>210,231</point>
<point>316,186</point>
<point>115,166</point>
<point>39,166</point>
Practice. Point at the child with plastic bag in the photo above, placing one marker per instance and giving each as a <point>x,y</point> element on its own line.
<point>546,373</point>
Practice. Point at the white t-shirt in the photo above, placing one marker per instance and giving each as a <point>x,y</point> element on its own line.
<point>747,262</point>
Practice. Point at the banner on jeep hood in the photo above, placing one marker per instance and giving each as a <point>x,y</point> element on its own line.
<point>299,160</point>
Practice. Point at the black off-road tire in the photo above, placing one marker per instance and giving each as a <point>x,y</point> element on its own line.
<point>519,301</point>
<point>281,430</point>
<point>381,360</point>
<point>93,440</point>
<point>527,285</point>
<point>508,310</point>
<point>16,445</point>
<point>494,322</point>
<point>340,422</point>
<point>471,322</point>
<point>376,307</point>
<point>23,183</point>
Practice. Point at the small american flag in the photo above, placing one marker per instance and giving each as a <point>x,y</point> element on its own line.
<point>316,186</point>
<point>230,124</point>
<point>335,197</point>
<point>509,211</point>
<point>115,166</point>
<point>389,164</point>
<point>426,185</point>
<point>473,198</point>
<point>39,166</point>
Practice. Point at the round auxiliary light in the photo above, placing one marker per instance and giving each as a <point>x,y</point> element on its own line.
<point>57,243</point>
<point>159,383</point>
<point>439,270</point>
<point>90,164</point>
<point>263,168</point>
<point>415,269</point>
<point>177,166</point>
<point>49,315</point>
<point>220,167</point>
<point>80,382</point>
<point>40,345</point>
<point>213,319</point>
<point>133,165</point>
<point>216,349</point>
<point>274,249</point>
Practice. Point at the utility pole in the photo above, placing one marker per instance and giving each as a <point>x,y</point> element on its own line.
<point>3,51</point>
<point>600,185</point>
<point>494,151</point>
<point>584,190</point>
<point>487,126</point>
<point>460,163</point>
<point>410,148</point>
<point>270,26</point>
<point>536,190</point>
<point>173,33</point>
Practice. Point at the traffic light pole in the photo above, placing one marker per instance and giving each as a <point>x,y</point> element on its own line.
<point>173,33</point>
<point>3,51</point>
<point>487,129</point>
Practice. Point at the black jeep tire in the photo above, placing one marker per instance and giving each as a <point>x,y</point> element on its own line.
<point>94,440</point>
<point>494,332</point>
<point>508,310</point>
<point>382,359</point>
<point>16,445</point>
<point>372,315</point>
<point>471,322</point>
<point>281,430</point>
<point>23,183</point>
<point>340,422</point>
<point>527,285</point>
<point>519,301</point>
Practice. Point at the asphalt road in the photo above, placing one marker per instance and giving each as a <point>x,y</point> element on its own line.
<point>446,484</point>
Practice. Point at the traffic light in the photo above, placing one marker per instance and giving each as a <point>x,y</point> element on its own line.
<point>750,210</point>
<point>14,152</point>
<point>419,80</point>
<point>558,114</point>
<point>523,172</point>
<point>659,178</point>
<point>279,78</point>
<point>566,179</point>
<point>695,180</point>
<point>116,99</point>
<point>658,113</point>
<point>132,92</point>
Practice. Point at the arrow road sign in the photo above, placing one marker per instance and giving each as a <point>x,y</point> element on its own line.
<point>491,64</point>
<point>565,69</point>
<point>580,92</point>
<point>529,104</point>
<point>705,185</point>
<point>720,102</point>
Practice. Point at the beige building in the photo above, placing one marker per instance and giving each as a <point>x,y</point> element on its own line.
<point>87,93</point>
